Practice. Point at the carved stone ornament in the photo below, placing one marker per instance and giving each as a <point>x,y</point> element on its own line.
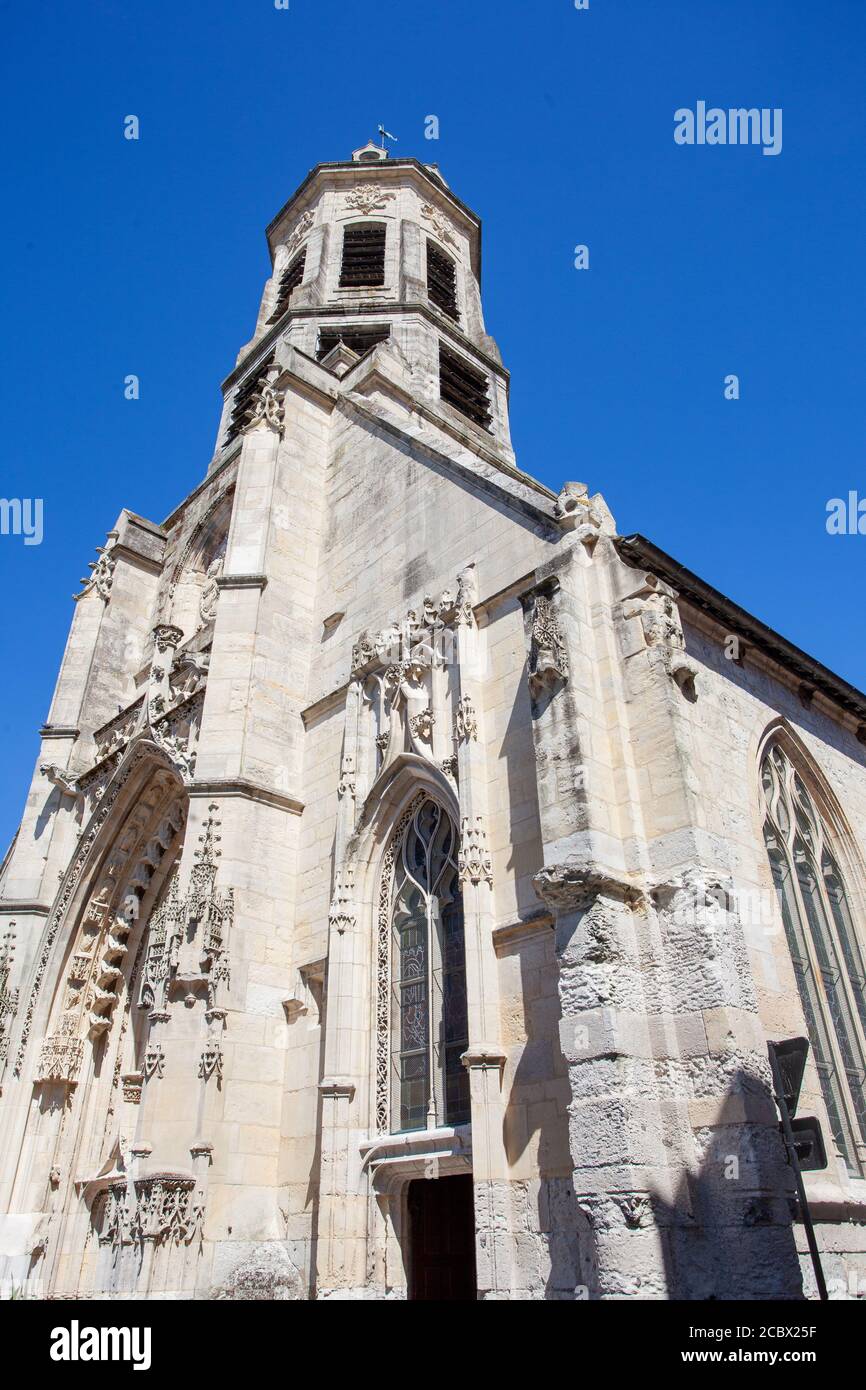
<point>169,712</point>
<point>154,1061</point>
<point>439,224</point>
<point>465,722</point>
<point>209,598</point>
<point>575,512</point>
<point>211,1060</point>
<point>101,577</point>
<point>421,634</point>
<point>299,231</point>
<point>200,921</point>
<point>422,723</point>
<point>163,1209</point>
<point>654,604</point>
<point>548,662</point>
<point>60,1059</point>
<point>367,198</point>
<point>59,777</point>
<point>474,864</point>
<point>8,997</point>
<point>570,887</point>
<point>166,637</point>
<point>346,786</point>
<point>95,976</point>
<point>636,1208</point>
<point>341,915</point>
<point>268,410</point>
<point>132,1082</point>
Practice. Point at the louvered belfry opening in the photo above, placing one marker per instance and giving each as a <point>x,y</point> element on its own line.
<point>442,281</point>
<point>463,387</point>
<point>360,340</point>
<point>246,396</point>
<point>289,280</point>
<point>363,254</point>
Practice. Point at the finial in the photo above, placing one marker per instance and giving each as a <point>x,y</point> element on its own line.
<point>386,135</point>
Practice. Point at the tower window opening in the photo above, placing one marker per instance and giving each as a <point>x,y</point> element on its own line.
<point>289,281</point>
<point>442,281</point>
<point>363,255</point>
<point>246,397</point>
<point>360,340</point>
<point>464,388</point>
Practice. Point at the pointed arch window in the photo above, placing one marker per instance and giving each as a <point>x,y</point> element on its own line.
<point>826,952</point>
<point>423,1024</point>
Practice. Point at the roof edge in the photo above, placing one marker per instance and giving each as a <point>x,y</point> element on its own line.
<point>636,550</point>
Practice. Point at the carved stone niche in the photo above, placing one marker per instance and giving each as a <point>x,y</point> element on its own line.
<point>402,675</point>
<point>548,659</point>
<point>653,605</point>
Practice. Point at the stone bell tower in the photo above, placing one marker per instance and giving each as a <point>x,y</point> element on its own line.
<point>382,254</point>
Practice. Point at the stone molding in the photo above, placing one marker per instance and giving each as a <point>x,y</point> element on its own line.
<point>241,786</point>
<point>241,581</point>
<point>337,1087</point>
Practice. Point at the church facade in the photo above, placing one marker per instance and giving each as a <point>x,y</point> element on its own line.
<point>415,869</point>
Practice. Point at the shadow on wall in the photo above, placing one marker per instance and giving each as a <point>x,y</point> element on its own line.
<point>726,1233</point>
<point>536,1118</point>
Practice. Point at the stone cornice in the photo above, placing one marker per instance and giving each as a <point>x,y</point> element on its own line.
<point>241,786</point>
<point>242,581</point>
<point>135,557</point>
<point>636,550</point>
<point>368,172</point>
<point>511,933</point>
<point>337,1087</point>
<point>381,309</point>
<point>483,1056</point>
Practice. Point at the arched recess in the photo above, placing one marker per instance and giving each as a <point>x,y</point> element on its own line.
<point>79,1031</point>
<point>376,856</point>
<point>193,594</point>
<point>818,878</point>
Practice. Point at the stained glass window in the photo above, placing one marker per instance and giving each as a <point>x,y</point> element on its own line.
<point>429,1024</point>
<point>825,950</point>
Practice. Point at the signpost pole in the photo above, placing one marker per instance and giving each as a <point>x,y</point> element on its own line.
<point>798,1176</point>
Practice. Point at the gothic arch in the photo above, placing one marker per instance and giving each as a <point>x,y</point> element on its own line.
<point>781,731</point>
<point>87,954</point>
<point>138,765</point>
<point>405,788</point>
<point>815,871</point>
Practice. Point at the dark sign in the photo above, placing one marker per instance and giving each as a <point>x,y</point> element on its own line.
<point>809,1144</point>
<point>791,1057</point>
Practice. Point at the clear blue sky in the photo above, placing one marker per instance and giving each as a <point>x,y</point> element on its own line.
<point>557,127</point>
